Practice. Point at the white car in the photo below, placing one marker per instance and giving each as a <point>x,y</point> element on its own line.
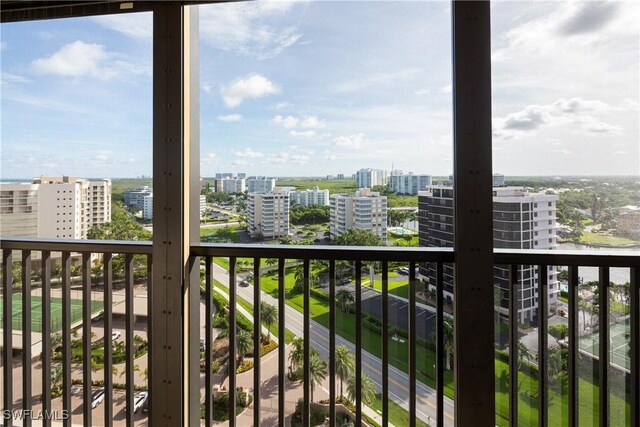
<point>97,397</point>
<point>139,399</point>
<point>115,335</point>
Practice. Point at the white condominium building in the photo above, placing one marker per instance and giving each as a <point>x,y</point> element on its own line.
<point>61,207</point>
<point>498,180</point>
<point>409,183</point>
<point>18,210</point>
<point>366,210</point>
<point>368,178</point>
<point>230,185</point>
<point>268,214</point>
<point>134,197</point>
<point>147,207</point>
<point>315,196</point>
<point>260,184</point>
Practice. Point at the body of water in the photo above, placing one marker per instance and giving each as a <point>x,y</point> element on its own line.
<point>618,275</point>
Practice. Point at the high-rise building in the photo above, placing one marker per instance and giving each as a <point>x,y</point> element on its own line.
<point>340,176</point>
<point>230,185</point>
<point>498,180</point>
<point>368,178</point>
<point>134,197</point>
<point>18,209</point>
<point>223,175</point>
<point>260,184</point>
<point>366,210</point>
<point>241,175</point>
<point>315,196</point>
<point>268,214</point>
<point>60,207</point>
<point>521,220</point>
<point>147,207</point>
<point>409,183</point>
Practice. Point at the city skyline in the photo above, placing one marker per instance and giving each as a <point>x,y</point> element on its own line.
<point>295,89</point>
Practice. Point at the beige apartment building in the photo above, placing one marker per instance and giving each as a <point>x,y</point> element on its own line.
<point>57,207</point>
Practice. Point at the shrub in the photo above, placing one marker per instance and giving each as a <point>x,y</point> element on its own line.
<point>246,365</point>
<point>265,349</point>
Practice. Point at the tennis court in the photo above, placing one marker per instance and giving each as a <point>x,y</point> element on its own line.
<point>618,344</point>
<point>56,312</point>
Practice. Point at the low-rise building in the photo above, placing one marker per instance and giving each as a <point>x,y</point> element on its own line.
<point>134,197</point>
<point>315,196</point>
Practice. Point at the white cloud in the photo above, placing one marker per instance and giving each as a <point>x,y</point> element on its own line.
<point>351,141</point>
<point>210,158</point>
<point>572,112</point>
<point>288,158</point>
<point>254,86</point>
<point>330,156</point>
<point>281,105</point>
<point>446,89</point>
<point>136,25</point>
<point>80,59</point>
<point>246,28</point>
<point>312,122</point>
<point>248,153</point>
<point>230,118</point>
<point>287,122</point>
<point>302,134</point>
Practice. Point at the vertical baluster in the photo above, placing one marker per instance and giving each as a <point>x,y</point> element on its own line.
<point>129,326</point>
<point>634,295</point>
<point>332,343</point>
<point>543,283</point>
<point>46,335</point>
<point>149,343</point>
<point>412,344</point>
<point>257,332</point>
<point>7,328</point>
<point>603,353</point>
<point>232,341</point>
<point>281,341</point>
<point>208,357</point>
<point>66,336</point>
<point>86,339</point>
<point>574,326</point>
<point>306,412</point>
<point>513,345</point>
<point>385,344</point>
<point>358,290</point>
<point>107,271</point>
<point>440,344</point>
<point>26,334</point>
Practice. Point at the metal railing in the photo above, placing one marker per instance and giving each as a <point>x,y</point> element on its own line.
<point>304,255</point>
<point>69,249</point>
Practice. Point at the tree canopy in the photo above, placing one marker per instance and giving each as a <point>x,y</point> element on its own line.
<point>355,237</point>
<point>314,214</point>
<point>121,227</point>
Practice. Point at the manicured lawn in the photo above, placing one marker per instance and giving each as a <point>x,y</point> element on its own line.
<point>588,238</point>
<point>398,416</point>
<point>400,289</point>
<point>288,335</point>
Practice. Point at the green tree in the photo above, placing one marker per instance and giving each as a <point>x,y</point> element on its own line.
<point>345,365</point>
<point>355,237</point>
<point>345,298</point>
<point>244,344</point>
<point>447,329</point>
<point>317,371</point>
<point>296,355</point>
<point>298,275</point>
<point>367,389</point>
<point>559,332</point>
<point>269,315</point>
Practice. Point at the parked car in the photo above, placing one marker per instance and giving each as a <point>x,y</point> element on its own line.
<point>145,405</point>
<point>138,400</point>
<point>115,335</point>
<point>202,344</point>
<point>403,271</point>
<point>244,283</point>
<point>97,397</point>
<point>344,281</point>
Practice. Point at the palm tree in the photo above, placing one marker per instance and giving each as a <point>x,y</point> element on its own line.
<point>367,389</point>
<point>145,376</point>
<point>345,299</point>
<point>296,356</point>
<point>317,371</point>
<point>244,344</point>
<point>269,315</point>
<point>298,286</point>
<point>345,365</point>
<point>447,329</point>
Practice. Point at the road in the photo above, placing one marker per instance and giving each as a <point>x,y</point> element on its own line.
<point>398,380</point>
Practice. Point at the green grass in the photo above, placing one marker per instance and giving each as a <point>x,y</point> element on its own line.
<point>400,289</point>
<point>56,312</point>
<point>333,185</point>
<point>288,335</point>
<point>588,238</point>
<point>220,234</point>
<point>398,416</point>
<point>406,240</point>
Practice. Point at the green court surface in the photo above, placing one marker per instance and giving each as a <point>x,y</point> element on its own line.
<point>619,344</point>
<point>36,312</point>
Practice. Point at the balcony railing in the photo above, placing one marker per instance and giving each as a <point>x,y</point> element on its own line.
<point>401,382</point>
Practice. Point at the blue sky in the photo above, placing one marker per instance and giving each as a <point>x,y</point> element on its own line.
<point>315,88</point>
